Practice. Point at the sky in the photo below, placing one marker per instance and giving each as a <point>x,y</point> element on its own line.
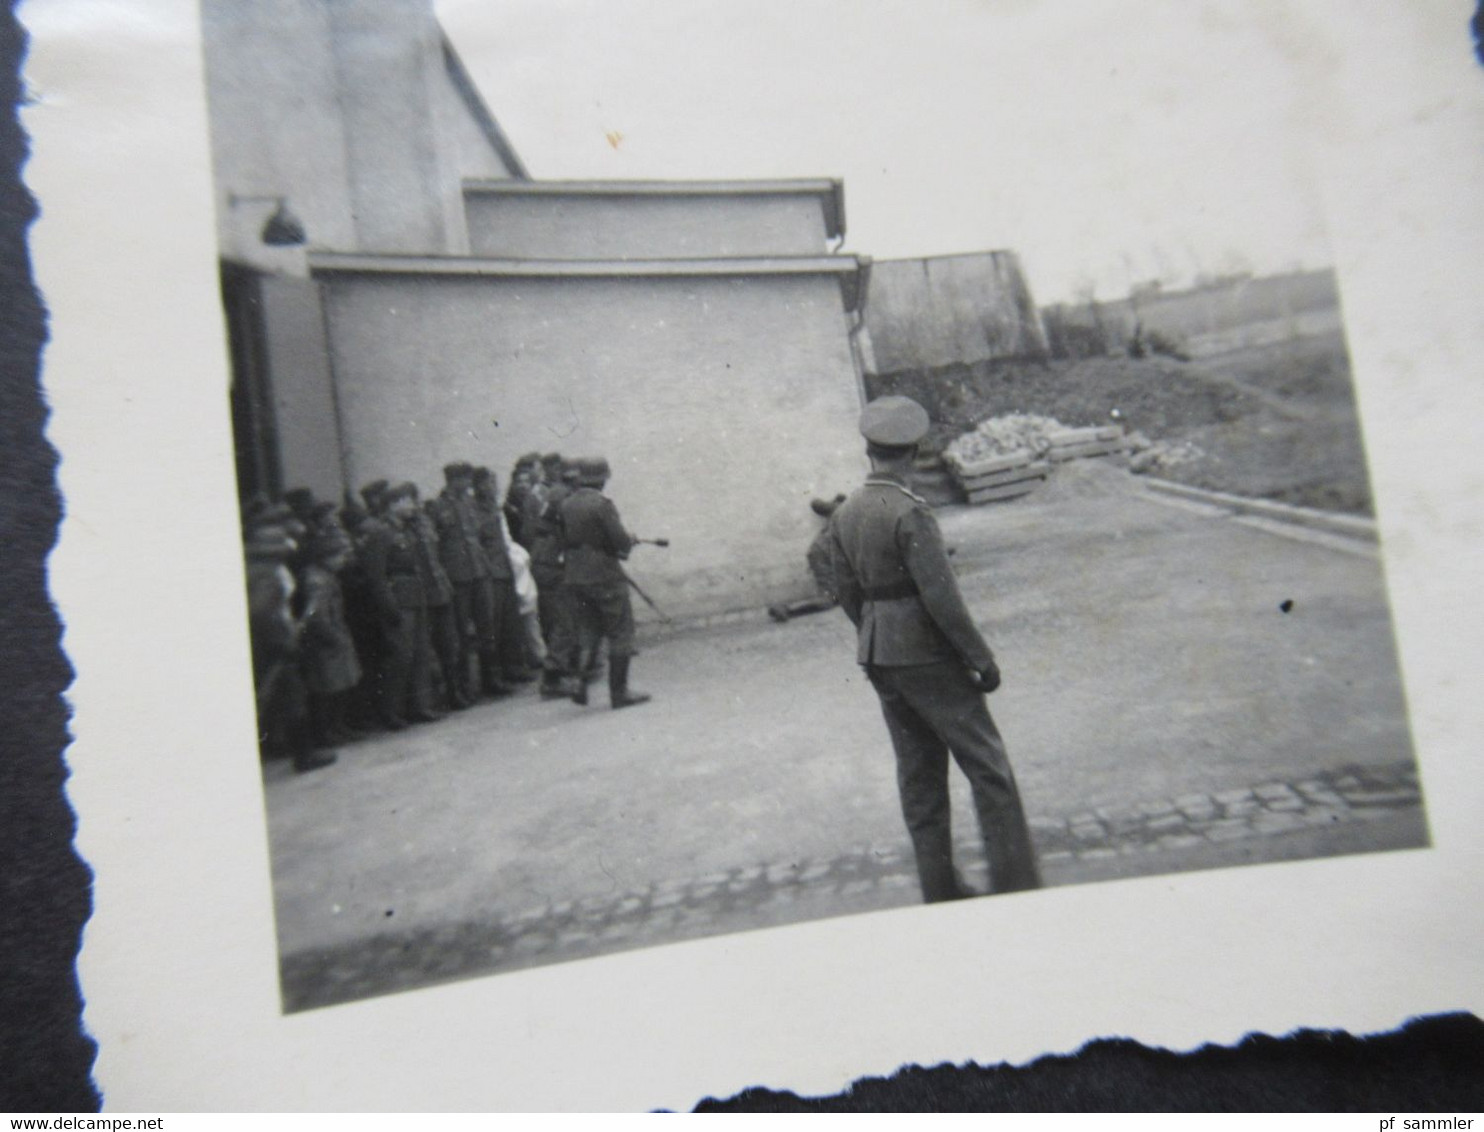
<point>1108,143</point>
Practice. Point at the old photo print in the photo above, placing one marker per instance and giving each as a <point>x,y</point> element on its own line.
<point>421,276</point>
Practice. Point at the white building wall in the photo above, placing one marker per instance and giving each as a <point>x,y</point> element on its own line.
<point>548,225</point>
<point>724,404</point>
<point>346,109</point>
<point>273,94</point>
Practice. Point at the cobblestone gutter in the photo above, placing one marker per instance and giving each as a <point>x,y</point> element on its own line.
<point>865,879</point>
<point>1348,794</point>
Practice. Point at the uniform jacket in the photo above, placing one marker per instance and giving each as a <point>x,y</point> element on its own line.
<point>429,564</point>
<point>546,530</point>
<point>327,654</point>
<point>389,553</point>
<point>459,548</point>
<point>594,541</point>
<point>894,581</point>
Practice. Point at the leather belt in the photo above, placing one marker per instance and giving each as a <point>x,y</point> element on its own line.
<point>893,592</point>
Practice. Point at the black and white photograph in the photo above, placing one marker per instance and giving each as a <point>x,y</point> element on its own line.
<point>880,487</point>
<point>1042,556</point>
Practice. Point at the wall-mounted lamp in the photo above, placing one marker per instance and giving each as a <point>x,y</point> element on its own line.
<point>282,229</point>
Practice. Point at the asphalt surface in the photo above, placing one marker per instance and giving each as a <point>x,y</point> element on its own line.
<point>1183,689</point>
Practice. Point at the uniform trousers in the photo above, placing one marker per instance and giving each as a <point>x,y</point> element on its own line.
<point>933,710</point>
<point>448,646</point>
<point>601,611</point>
<point>474,617</point>
<point>554,611</point>
<point>405,665</point>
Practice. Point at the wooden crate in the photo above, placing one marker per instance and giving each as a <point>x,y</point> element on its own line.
<point>1036,469</point>
<point>1079,451</point>
<point>1070,436</point>
<point>966,472</point>
<point>1005,491</point>
<point>1076,443</point>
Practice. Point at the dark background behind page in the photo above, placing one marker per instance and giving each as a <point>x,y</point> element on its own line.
<point>46,1058</point>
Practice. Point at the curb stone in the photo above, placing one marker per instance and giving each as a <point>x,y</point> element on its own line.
<point>572,929</point>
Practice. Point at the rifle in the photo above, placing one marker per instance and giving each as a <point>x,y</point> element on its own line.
<point>649,601</point>
<point>652,541</point>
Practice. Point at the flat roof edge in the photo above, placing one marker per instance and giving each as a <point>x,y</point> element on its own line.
<point>849,271</point>
<point>358,264</point>
<point>951,255</point>
<point>813,186</point>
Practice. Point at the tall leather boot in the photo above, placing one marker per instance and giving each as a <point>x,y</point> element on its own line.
<point>554,683</point>
<point>579,684</point>
<point>494,687</point>
<point>618,684</point>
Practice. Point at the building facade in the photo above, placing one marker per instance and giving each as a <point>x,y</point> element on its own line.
<point>443,305</point>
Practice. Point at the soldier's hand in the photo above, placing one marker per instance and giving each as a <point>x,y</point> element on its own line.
<point>987,679</point>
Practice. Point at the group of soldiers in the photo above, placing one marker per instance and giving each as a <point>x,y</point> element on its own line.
<point>393,610</point>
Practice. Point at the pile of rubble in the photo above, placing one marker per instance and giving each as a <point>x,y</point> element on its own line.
<point>1001,436</point>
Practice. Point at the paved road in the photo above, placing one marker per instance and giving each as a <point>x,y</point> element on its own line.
<point>1153,679</point>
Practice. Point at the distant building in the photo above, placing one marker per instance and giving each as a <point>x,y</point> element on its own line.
<point>443,305</point>
<point>945,310</point>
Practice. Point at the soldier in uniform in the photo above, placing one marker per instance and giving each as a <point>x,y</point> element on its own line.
<point>467,567</point>
<point>498,594</point>
<point>390,555</point>
<point>283,711</point>
<point>362,613</point>
<point>443,632</point>
<point>594,543</point>
<point>551,597</point>
<point>929,664</point>
<point>327,653</point>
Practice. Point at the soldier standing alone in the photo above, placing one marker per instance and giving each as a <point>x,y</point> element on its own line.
<point>594,544</point>
<point>929,664</point>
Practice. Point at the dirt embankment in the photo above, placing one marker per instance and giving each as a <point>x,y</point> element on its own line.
<point>1277,421</point>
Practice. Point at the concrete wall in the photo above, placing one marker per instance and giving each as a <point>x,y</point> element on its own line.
<point>476,157</point>
<point>303,397</point>
<point>548,225</point>
<point>344,107</point>
<point>924,313</point>
<point>724,404</point>
<point>273,94</point>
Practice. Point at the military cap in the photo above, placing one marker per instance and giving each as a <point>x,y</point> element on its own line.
<point>551,459</point>
<point>300,501</point>
<point>593,469</point>
<point>459,469</point>
<point>352,515</point>
<point>268,542</point>
<point>374,492</point>
<point>482,473</point>
<point>261,510</point>
<point>530,459</point>
<point>894,422</point>
<point>402,491</point>
<point>329,541</point>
